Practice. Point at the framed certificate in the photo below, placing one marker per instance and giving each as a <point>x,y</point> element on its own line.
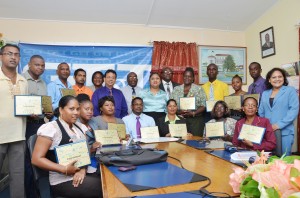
<point>67,92</point>
<point>67,153</point>
<point>187,103</point>
<point>107,137</point>
<point>252,133</point>
<point>210,105</point>
<point>150,132</point>
<point>256,96</point>
<point>121,129</point>
<point>233,102</point>
<point>214,129</point>
<point>178,130</point>
<point>47,104</point>
<point>26,105</point>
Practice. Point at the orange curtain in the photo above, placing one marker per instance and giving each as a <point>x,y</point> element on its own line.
<point>177,56</point>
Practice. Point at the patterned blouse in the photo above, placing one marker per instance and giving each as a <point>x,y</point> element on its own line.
<point>229,125</point>
<point>195,91</point>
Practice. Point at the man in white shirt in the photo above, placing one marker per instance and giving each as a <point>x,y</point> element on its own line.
<point>166,83</point>
<point>12,136</point>
<point>131,90</point>
<point>137,119</point>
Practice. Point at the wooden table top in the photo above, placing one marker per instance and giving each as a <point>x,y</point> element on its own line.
<point>192,159</point>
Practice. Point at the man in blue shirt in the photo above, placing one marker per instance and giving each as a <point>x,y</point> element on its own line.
<point>121,109</point>
<point>131,120</point>
<point>53,88</point>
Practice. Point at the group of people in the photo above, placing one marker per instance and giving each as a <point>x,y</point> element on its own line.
<point>94,107</point>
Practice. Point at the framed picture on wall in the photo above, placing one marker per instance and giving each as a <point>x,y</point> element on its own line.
<point>267,42</point>
<point>230,61</point>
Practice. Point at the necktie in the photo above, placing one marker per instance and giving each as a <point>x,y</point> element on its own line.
<point>211,92</point>
<point>168,89</point>
<point>133,93</point>
<point>110,92</point>
<point>253,91</point>
<point>138,127</point>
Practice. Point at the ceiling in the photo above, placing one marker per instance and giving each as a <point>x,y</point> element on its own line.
<point>234,15</point>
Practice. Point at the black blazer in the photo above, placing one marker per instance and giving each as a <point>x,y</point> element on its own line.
<point>161,86</point>
<point>163,127</point>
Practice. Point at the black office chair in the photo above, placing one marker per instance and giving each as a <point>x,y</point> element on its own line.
<point>278,150</point>
<point>41,177</point>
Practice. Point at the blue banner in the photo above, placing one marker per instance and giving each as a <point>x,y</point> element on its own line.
<point>91,58</point>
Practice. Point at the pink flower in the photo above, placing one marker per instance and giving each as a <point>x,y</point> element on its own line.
<point>262,159</point>
<point>297,164</point>
<point>282,168</point>
<point>272,179</point>
<point>236,179</point>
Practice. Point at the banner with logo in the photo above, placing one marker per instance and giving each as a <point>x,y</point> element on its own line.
<point>122,59</point>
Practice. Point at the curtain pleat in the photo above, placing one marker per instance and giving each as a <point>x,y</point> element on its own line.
<point>177,56</point>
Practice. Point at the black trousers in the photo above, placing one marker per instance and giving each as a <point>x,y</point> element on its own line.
<point>31,129</point>
<point>90,188</point>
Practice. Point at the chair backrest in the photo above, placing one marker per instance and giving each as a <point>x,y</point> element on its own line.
<point>41,177</point>
<point>278,149</point>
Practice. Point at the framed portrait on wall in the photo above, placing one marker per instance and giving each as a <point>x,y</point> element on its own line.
<point>231,61</point>
<point>267,42</point>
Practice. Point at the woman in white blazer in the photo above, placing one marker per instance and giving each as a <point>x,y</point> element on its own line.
<point>280,104</point>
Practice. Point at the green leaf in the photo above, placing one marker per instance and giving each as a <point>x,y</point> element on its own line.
<point>294,172</point>
<point>258,153</point>
<point>249,188</point>
<point>272,158</point>
<point>272,193</point>
<point>290,159</point>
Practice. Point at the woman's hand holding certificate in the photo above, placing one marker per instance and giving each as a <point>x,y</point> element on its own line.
<point>68,153</point>
<point>214,129</point>
<point>252,133</point>
<point>178,130</point>
<point>107,137</point>
<point>187,103</point>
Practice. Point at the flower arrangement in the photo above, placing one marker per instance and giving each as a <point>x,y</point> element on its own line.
<point>277,177</point>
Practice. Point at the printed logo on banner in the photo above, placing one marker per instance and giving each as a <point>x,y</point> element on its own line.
<point>91,58</point>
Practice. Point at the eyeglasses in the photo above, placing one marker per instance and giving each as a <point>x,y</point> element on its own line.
<point>220,108</point>
<point>10,54</point>
<point>250,105</point>
<point>133,77</point>
<point>167,72</point>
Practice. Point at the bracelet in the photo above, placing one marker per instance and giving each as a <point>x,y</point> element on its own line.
<point>66,170</point>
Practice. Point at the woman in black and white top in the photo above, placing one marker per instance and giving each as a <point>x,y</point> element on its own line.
<point>65,181</point>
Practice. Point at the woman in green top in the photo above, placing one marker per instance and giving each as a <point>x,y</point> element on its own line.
<point>194,118</point>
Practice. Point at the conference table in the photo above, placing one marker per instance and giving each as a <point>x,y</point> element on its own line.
<point>192,159</point>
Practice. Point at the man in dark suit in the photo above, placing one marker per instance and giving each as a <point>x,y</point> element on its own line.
<point>268,44</point>
<point>166,84</point>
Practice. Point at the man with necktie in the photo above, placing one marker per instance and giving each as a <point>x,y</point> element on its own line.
<point>131,90</point>
<point>136,120</point>
<point>167,84</point>
<point>214,89</point>
<point>258,86</point>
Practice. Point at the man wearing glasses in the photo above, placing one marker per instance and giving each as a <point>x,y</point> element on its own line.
<point>12,136</point>
<point>167,84</point>
<point>110,78</point>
